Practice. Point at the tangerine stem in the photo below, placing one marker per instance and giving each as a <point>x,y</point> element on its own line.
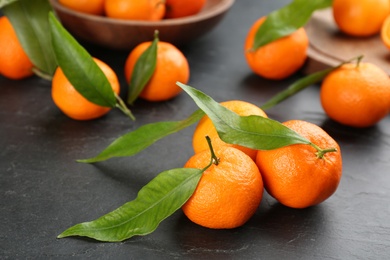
<point>321,152</point>
<point>121,105</point>
<point>359,59</point>
<point>214,158</point>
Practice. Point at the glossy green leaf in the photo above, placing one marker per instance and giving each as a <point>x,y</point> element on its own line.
<point>79,68</point>
<point>29,18</point>
<point>143,71</point>
<point>304,83</point>
<point>286,20</point>
<point>296,87</point>
<point>138,140</point>
<point>6,2</point>
<point>156,201</point>
<point>255,132</point>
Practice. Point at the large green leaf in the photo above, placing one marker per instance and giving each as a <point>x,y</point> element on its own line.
<point>255,132</point>
<point>79,68</point>
<point>286,20</point>
<point>156,201</point>
<point>143,71</point>
<point>29,18</point>
<point>138,140</point>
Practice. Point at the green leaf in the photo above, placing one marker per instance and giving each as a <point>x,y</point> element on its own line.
<point>138,140</point>
<point>79,68</point>
<point>143,70</point>
<point>286,20</point>
<point>255,132</point>
<point>296,87</point>
<point>304,83</point>
<point>156,201</point>
<point>29,19</point>
<point>6,2</point>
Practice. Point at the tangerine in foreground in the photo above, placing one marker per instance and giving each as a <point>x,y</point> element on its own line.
<point>295,175</point>
<point>278,59</point>
<point>72,103</point>
<point>356,95</point>
<point>228,193</point>
<point>14,62</point>
<point>205,127</point>
<point>171,66</point>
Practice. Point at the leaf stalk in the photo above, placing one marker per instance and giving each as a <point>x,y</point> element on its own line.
<point>42,74</point>
<point>122,106</point>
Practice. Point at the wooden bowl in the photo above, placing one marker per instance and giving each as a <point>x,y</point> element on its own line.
<point>329,47</point>
<point>126,34</point>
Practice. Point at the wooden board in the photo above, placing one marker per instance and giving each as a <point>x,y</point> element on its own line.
<point>329,46</point>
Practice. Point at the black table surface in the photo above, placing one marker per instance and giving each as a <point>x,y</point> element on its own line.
<point>44,190</point>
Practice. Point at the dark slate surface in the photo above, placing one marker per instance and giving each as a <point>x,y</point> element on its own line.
<point>43,190</point>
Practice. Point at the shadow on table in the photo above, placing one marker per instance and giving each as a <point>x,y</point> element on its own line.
<point>370,137</point>
<point>273,224</point>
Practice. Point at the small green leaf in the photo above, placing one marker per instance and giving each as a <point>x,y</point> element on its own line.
<point>296,87</point>
<point>255,132</point>
<point>79,68</point>
<point>143,71</point>
<point>286,20</point>
<point>138,140</point>
<point>29,19</point>
<point>156,201</point>
<point>303,83</point>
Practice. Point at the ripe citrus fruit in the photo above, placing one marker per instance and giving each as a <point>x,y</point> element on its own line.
<point>385,32</point>
<point>294,175</point>
<point>180,8</point>
<point>278,59</point>
<point>95,7</point>
<point>152,10</point>
<point>171,66</point>
<point>205,127</point>
<point>228,194</point>
<point>356,95</point>
<point>360,17</point>
<point>14,62</point>
<point>72,103</point>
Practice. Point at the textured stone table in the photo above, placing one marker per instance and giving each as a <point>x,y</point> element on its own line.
<point>43,190</point>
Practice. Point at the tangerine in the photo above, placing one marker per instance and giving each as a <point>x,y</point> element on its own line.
<point>228,193</point>
<point>95,7</point>
<point>356,95</point>
<point>385,32</point>
<point>151,10</point>
<point>171,66</point>
<point>72,103</point>
<point>278,59</point>
<point>180,8</point>
<point>205,127</point>
<point>360,17</point>
<point>15,64</point>
<point>295,175</point>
